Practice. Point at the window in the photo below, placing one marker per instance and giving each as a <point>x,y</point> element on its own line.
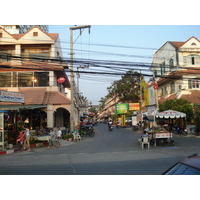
<point>25,79</point>
<point>193,84</point>
<point>164,91</point>
<point>35,33</point>
<point>1,35</point>
<point>5,79</point>
<point>171,64</point>
<point>193,61</point>
<point>193,44</point>
<point>172,86</point>
<point>41,79</point>
<point>5,55</point>
<point>35,54</point>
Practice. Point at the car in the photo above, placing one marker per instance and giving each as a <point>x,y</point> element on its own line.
<point>187,166</point>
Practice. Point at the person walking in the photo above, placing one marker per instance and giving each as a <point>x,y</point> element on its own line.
<point>27,138</point>
<point>20,138</point>
<point>52,141</point>
<point>59,136</point>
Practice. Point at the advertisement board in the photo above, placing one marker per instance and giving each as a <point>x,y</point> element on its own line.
<point>134,106</point>
<point>122,108</point>
<point>14,97</point>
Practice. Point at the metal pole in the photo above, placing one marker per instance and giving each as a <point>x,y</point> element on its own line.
<point>71,82</point>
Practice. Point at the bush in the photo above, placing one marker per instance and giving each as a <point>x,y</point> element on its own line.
<point>32,140</point>
<point>67,136</point>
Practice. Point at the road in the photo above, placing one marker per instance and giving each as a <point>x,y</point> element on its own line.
<point>107,153</point>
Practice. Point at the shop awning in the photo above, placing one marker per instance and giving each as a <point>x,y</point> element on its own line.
<point>170,114</point>
<point>17,107</point>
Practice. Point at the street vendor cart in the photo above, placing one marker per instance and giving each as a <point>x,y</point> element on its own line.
<point>161,136</point>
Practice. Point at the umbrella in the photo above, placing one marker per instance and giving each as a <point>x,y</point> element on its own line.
<point>170,114</point>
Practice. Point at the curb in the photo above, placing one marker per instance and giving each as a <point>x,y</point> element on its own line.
<point>32,146</point>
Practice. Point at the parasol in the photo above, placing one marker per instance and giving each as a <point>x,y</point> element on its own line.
<point>170,114</point>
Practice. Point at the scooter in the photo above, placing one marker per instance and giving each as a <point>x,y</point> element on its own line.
<point>117,125</point>
<point>110,127</point>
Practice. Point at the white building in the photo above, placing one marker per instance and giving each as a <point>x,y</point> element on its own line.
<point>176,66</point>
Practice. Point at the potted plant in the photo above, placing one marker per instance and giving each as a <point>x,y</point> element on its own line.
<point>68,137</point>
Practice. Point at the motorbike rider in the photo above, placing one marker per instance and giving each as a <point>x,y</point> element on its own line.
<point>110,123</point>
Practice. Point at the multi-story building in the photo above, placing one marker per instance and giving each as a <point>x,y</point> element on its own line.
<point>31,64</point>
<point>176,66</point>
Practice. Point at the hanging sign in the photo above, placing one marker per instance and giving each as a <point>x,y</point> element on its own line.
<point>61,80</point>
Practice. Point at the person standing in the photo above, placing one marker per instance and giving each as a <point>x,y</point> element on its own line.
<point>59,135</point>
<point>27,138</point>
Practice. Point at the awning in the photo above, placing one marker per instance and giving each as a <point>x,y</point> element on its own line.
<point>22,107</point>
<point>170,114</point>
<point>150,118</point>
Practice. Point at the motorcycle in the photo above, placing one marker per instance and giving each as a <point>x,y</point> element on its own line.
<point>110,127</point>
<point>87,130</point>
<point>117,125</point>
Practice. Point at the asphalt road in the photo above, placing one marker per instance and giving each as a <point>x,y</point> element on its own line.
<point>107,153</point>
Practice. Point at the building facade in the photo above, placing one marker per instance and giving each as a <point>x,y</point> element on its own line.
<point>31,64</point>
<point>176,66</point>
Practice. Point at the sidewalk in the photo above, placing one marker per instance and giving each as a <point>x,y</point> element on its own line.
<point>44,144</point>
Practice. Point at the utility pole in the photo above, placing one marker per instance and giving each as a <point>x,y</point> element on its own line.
<point>141,125</point>
<point>72,111</point>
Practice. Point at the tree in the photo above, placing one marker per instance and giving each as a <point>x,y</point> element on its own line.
<point>127,88</point>
<point>181,105</point>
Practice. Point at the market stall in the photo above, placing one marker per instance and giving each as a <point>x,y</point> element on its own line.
<point>163,133</point>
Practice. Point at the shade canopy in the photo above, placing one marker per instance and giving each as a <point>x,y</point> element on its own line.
<point>170,114</point>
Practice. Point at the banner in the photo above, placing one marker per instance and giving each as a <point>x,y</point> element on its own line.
<point>122,108</point>
<point>134,106</point>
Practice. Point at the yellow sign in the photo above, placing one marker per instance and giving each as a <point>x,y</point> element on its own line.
<point>123,120</point>
<point>134,106</point>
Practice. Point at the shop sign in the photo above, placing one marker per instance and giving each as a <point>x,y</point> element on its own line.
<point>122,108</point>
<point>134,106</point>
<point>14,97</point>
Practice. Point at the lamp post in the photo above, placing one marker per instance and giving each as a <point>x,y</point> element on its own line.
<point>72,111</point>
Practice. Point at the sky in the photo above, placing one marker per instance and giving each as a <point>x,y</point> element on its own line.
<point>122,43</point>
<point>120,31</point>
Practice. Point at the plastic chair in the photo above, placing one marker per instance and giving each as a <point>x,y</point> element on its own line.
<point>145,140</point>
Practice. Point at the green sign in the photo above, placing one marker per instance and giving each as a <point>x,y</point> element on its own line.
<point>122,108</point>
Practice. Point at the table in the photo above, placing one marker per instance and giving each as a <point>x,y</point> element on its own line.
<point>161,135</point>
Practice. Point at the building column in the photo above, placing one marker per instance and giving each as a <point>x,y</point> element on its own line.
<point>50,116</point>
<point>17,61</point>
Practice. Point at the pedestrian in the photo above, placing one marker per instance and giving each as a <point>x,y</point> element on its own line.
<point>59,136</point>
<point>52,141</point>
<point>20,138</point>
<point>145,134</point>
<point>27,138</point>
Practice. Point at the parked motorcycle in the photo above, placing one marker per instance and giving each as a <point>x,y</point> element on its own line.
<point>87,130</point>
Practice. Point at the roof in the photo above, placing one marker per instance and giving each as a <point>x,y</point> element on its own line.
<point>193,97</point>
<point>40,96</point>
<point>53,36</point>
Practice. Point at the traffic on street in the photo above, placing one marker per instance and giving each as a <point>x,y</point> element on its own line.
<point>115,152</point>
